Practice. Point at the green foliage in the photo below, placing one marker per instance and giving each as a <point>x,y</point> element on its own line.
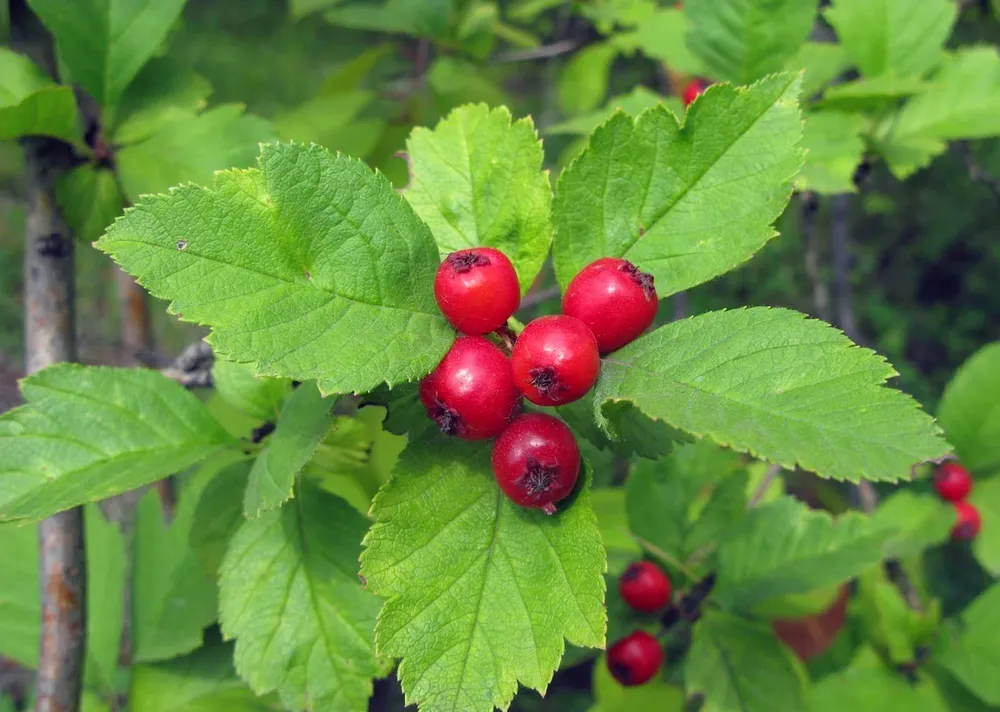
<point>290,596</point>
<point>969,411</point>
<point>822,62</point>
<point>258,397</point>
<point>986,498</point>
<point>610,696</point>
<point>480,593</point>
<point>218,515</point>
<point>30,104</point>
<point>974,656</point>
<point>917,522</point>
<point>613,521</point>
<point>584,81</point>
<point>662,36</point>
<point>90,199</point>
<point>833,151</point>
<point>89,433</point>
<point>345,298</point>
<point>647,189</point>
<point>864,688</point>
<point>164,90</point>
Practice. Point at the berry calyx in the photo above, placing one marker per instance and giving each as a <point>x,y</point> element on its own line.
<point>536,461</point>
<point>644,587</point>
<point>968,524</point>
<point>471,393</point>
<point>555,360</point>
<point>612,297</point>
<point>952,482</point>
<point>635,659</point>
<point>693,90</point>
<point>477,290</point>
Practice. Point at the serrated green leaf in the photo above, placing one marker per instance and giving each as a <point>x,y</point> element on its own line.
<point>822,62</point>
<point>289,594</point>
<point>661,36</point>
<point>899,36</point>
<point>833,151</point>
<point>328,274</point>
<point>165,90</point>
<point>90,200</point>
<point>217,516</point>
<point>739,666</point>
<point>783,387</point>
<point>611,696</point>
<point>974,657</point>
<point>88,433</point>
<point>969,411</point>
<point>103,43</point>
<point>868,688</point>
<point>744,40</point>
<point>649,190</point>
<point>986,547</point>
<point>304,421</point>
<point>583,82</point>
<point>477,179</point>
<point>30,104</point>
<point>785,547</point>
<point>201,682</point>
<point>257,396</point>
<point>633,104</point>
<point>916,522</point>
<point>873,93</point>
<point>609,506</point>
<point>190,148</point>
<point>480,593</point>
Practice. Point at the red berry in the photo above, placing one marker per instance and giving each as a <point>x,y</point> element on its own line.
<point>536,461</point>
<point>635,659</point>
<point>555,360</point>
<point>471,393</point>
<point>644,587</point>
<point>613,298</point>
<point>968,524</point>
<point>952,482</point>
<point>693,90</point>
<point>477,290</point>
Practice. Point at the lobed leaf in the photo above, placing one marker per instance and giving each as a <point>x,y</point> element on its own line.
<point>30,104</point>
<point>89,433</point>
<point>308,267</point>
<point>774,383</point>
<point>969,411</point>
<point>688,202</point>
<point>480,593</point>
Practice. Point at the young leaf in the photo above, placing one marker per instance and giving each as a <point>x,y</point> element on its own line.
<point>898,36</point>
<point>480,592</point>
<point>649,190</point>
<point>744,40</point>
<point>103,43</point>
<point>785,547</point>
<point>974,657</point>
<point>661,36</point>
<point>165,90</point>
<point>477,179</point>
<point>303,423</point>
<point>88,433</point>
<point>833,151</point>
<point>969,411</point>
<point>30,104</point>
<point>257,396</point>
<point>90,200</point>
<point>739,666</point>
<point>583,83</point>
<point>327,274</point>
<point>783,387</point>
<point>986,547</point>
<point>290,596</point>
<point>822,61</point>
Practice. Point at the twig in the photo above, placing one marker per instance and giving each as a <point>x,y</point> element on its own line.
<point>765,484</point>
<point>820,291</point>
<point>680,305</point>
<point>664,557</point>
<point>544,52</point>
<point>193,367</point>
<point>688,608</point>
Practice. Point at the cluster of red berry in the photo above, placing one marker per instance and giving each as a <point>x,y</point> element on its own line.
<point>475,392</point>
<point>953,484</point>
<point>637,657</point>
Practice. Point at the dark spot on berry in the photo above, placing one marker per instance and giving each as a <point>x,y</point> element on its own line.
<point>537,479</point>
<point>643,279</point>
<point>622,672</point>
<point>965,531</point>
<point>446,418</point>
<point>545,381</point>
<point>464,261</point>
<point>631,573</point>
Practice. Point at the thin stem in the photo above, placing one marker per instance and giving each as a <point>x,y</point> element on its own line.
<point>811,250</point>
<point>665,557</point>
<point>544,52</point>
<point>839,230</point>
<point>765,484</point>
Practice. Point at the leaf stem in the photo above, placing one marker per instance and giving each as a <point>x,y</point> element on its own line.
<point>665,557</point>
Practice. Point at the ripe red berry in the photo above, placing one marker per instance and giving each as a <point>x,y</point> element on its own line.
<point>635,659</point>
<point>536,461</point>
<point>555,360</point>
<point>967,526</point>
<point>952,482</point>
<point>613,298</point>
<point>644,587</point>
<point>477,290</point>
<point>471,393</point>
<point>693,90</point>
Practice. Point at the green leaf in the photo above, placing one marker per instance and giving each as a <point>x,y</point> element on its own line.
<point>190,148</point>
<point>648,190</point>
<point>744,40</point>
<point>899,36</point>
<point>633,103</point>
<point>739,666</point>
<point>301,8</point>
<point>609,506</point>
<point>916,522</point>
<point>289,594</point>
<point>783,387</point>
<point>986,547</point>
<point>611,696</point>
<point>201,682</point>
<point>174,598</point>
<point>218,515</point>
<point>350,75</point>
<point>873,94</point>
<point>321,118</point>
<point>969,411</point>
<point>639,435</point>
<point>974,657</point>
<point>477,179</point>
<point>88,433</point>
<point>868,688</point>
<point>887,619</point>
<point>785,547</point>
<point>165,90</point>
<point>30,104</point>
<point>822,61</point>
<point>583,82</point>
<point>661,36</point>
<point>833,151</point>
<point>302,276</point>
<point>90,200</point>
<point>480,592</point>
<point>104,43</point>
<point>257,396</point>
<point>303,423</point>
